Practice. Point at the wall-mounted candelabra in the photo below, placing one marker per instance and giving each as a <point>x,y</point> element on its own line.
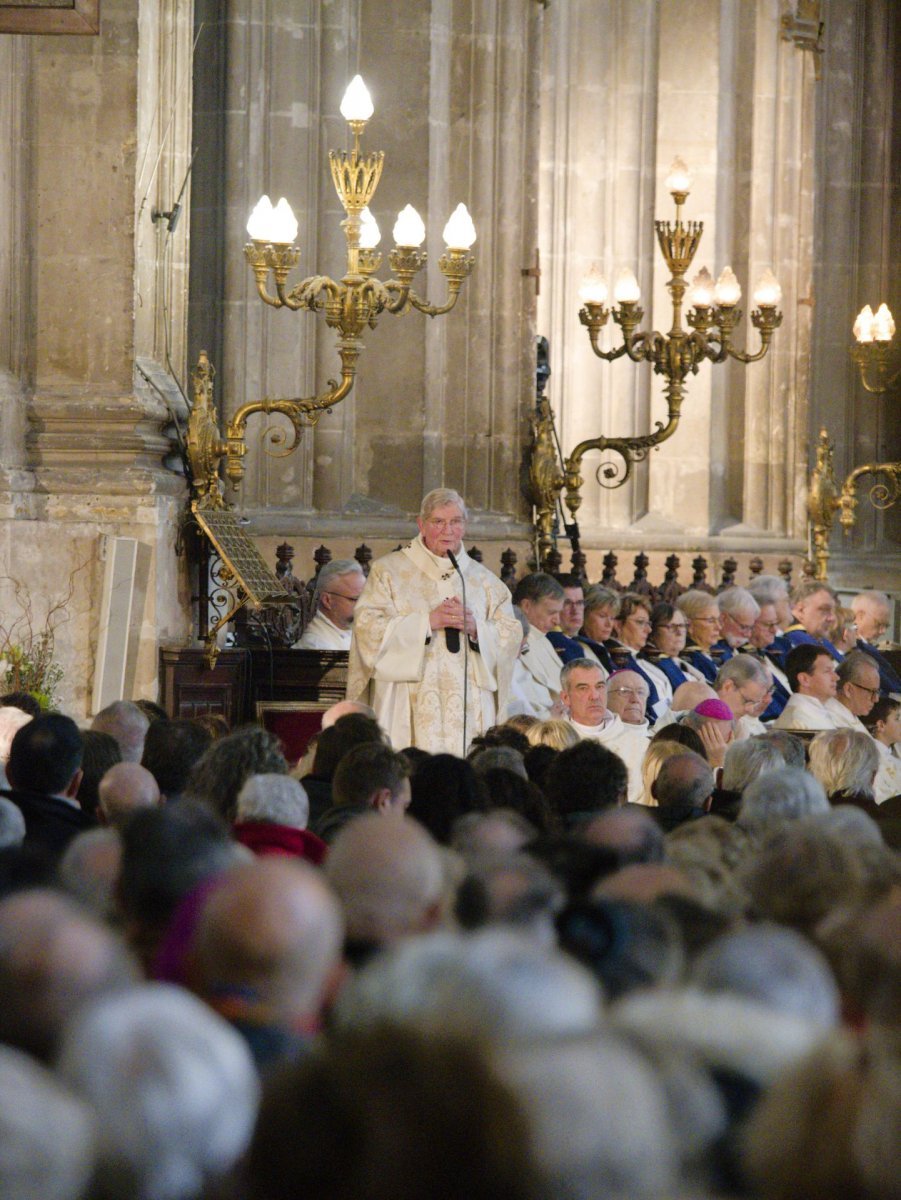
<point>712,315</point>
<point>350,304</point>
<point>873,354</point>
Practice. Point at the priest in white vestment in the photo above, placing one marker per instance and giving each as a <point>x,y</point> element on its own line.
<point>585,699</point>
<point>338,587</point>
<point>811,674</point>
<point>540,599</point>
<point>417,650</point>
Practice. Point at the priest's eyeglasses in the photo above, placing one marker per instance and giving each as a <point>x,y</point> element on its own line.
<point>350,599</point>
<point>455,525</point>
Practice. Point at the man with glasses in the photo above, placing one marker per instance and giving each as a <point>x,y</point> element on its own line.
<point>434,637</point>
<point>743,684</point>
<point>872,613</point>
<point>811,672</point>
<point>857,691</point>
<point>813,607</point>
<point>763,647</point>
<point>738,612</point>
<point>338,587</point>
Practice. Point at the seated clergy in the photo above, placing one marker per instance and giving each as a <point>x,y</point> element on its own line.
<point>584,693</point>
<point>857,690</point>
<point>743,683</point>
<point>813,609</point>
<point>627,696</point>
<point>871,612</point>
<point>811,675</point>
<point>338,587</point>
<point>540,599</point>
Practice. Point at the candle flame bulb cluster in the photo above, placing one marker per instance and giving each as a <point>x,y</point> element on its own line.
<point>874,327</point>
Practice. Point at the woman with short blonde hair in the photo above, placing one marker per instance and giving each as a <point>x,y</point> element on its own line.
<point>559,735</point>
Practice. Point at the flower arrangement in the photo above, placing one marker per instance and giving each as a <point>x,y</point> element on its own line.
<point>27,647</point>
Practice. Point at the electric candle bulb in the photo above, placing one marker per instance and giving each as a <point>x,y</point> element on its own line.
<point>768,293</point>
<point>678,179</point>
<point>700,294</point>
<point>259,225</point>
<point>370,234</point>
<point>626,289</point>
<point>459,232</point>
<point>284,224</point>
<point>594,287</point>
<point>408,229</point>
<point>727,292</point>
<point>863,326</point>
<point>883,324</point>
<point>357,103</point>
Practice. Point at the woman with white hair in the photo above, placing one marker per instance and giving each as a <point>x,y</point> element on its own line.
<point>845,761</point>
<point>702,611</point>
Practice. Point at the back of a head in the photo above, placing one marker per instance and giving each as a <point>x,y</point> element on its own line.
<point>389,1114</point>
<point>368,769</point>
<point>54,958</point>
<point>493,983</point>
<point>388,874</point>
<point>124,789</point>
<point>11,721</point>
<point>781,795</point>
<point>599,1117</point>
<point>166,852</point>
<point>505,758</point>
<point>45,754</point>
<point>777,967</point>
<point>89,870</point>
<point>585,778</point>
<point>171,748</point>
<point>682,735</point>
<point>630,832</point>
<point>683,781</point>
<point>443,789</point>
<point>844,760</point>
<point>271,931</point>
<point>229,762</point>
<point>349,731</point>
<point>127,724</point>
<point>626,946</point>
<point>47,1136</point>
<point>12,824</point>
<point>174,1088</point>
<point>100,752</point>
<point>789,746</point>
<point>747,759</point>
<point>275,798</point>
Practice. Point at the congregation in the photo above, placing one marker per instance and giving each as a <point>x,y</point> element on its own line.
<point>638,937</point>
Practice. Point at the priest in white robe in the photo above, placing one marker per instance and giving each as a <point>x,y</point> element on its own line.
<point>585,698</point>
<point>436,671</point>
<point>338,587</point>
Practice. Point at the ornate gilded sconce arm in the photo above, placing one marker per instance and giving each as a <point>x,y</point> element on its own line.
<point>882,495</point>
<point>455,266</point>
<point>766,320</point>
<point>874,364</point>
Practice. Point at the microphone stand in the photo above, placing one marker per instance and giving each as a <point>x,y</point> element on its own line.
<point>456,566</point>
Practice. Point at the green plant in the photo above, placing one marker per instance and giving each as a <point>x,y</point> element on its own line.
<point>27,646</point>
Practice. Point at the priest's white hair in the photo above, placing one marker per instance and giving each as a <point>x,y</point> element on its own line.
<point>437,498</point>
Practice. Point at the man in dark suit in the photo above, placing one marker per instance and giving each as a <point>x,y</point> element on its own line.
<point>44,773</point>
<point>813,607</point>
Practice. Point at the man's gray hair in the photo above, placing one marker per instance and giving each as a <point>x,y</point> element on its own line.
<point>810,587</point>
<point>773,966</point>
<point>127,724</point>
<point>736,600</point>
<point>742,669</point>
<point>437,498</point>
<point>852,665</point>
<point>844,760</point>
<point>499,758</point>
<point>495,983</point>
<point>768,589</point>
<point>332,571</point>
<point>748,759</point>
<point>577,664</point>
<point>12,824</point>
<point>694,602</point>
<point>785,794</point>
<point>788,744</point>
<point>276,798</point>
<point>174,1087</point>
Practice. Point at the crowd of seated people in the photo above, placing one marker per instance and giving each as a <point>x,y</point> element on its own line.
<point>628,947</point>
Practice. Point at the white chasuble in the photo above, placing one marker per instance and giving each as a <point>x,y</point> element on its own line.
<point>406,672</point>
<point>322,634</point>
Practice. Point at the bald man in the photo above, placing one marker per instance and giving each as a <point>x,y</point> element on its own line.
<point>872,612</point>
<point>125,788</point>
<point>53,959</point>
<point>267,953</point>
<point>390,878</point>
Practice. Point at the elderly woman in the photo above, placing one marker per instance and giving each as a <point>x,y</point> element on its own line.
<point>702,612</point>
<point>601,607</point>
<point>660,658</point>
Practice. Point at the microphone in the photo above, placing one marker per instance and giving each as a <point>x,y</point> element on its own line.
<point>456,633</point>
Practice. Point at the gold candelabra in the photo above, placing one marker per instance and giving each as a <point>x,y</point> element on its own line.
<point>349,304</point>
<point>872,352</point>
<point>712,316</point>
